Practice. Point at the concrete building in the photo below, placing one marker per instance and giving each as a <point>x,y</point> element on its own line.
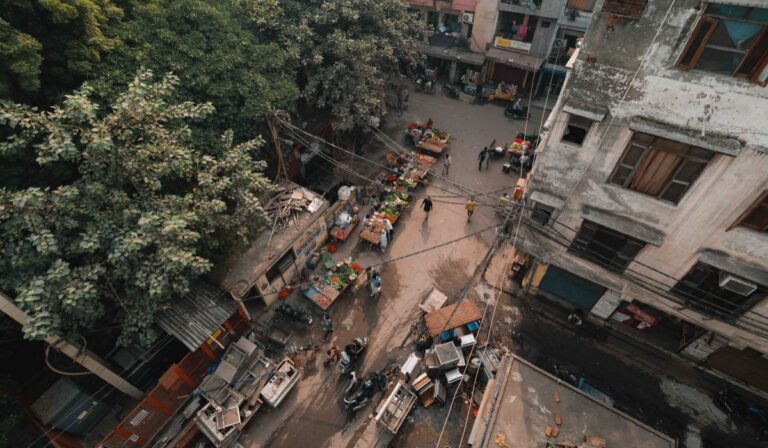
<point>520,42</point>
<point>648,201</point>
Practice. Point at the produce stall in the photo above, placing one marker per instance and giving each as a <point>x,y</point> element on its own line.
<point>391,209</point>
<point>326,289</point>
<point>427,138</point>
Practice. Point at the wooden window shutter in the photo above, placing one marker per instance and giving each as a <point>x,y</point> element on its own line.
<point>698,39</point>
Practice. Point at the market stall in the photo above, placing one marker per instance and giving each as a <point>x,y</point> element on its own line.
<point>427,138</point>
<point>326,289</point>
<point>390,209</point>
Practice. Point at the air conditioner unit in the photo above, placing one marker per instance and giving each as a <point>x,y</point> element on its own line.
<point>736,284</point>
<point>468,17</point>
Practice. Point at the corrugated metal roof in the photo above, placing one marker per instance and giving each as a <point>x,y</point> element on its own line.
<point>193,318</point>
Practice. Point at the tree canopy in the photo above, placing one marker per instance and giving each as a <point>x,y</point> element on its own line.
<point>138,220</point>
<point>344,51</point>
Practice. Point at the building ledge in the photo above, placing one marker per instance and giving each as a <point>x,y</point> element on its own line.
<point>547,199</point>
<point>624,225</point>
<point>733,265</point>
<point>720,143</point>
<point>585,109</point>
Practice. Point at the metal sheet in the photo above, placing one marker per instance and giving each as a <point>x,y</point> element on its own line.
<point>194,318</point>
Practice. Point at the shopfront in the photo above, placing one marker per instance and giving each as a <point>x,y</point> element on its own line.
<point>575,290</point>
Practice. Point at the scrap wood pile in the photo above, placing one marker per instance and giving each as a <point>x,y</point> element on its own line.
<point>284,209</point>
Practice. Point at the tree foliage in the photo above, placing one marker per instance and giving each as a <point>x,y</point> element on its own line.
<point>344,51</point>
<point>217,54</point>
<point>138,221</point>
<point>51,46</point>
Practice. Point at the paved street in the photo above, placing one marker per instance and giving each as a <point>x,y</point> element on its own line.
<point>313,416</point>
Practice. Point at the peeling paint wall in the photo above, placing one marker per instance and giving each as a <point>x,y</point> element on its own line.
<point>705,103</point>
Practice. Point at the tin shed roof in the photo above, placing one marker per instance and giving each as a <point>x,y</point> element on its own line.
<point>446,319</point>
<point>192,319</point>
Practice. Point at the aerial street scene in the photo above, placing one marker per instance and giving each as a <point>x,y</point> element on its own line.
<point>384,224</point>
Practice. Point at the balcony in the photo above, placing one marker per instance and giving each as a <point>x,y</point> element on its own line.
<point>541,8</point>
<point>455,5</point>
<point>515,32</point>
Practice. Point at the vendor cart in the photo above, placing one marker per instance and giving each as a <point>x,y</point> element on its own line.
<point>323,291</point>
<point>394,409</point>
<point>342,233</point>
<point>433,146</point>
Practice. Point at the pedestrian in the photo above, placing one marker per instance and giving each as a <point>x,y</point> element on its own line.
<point>470,208</point>
<point>375,282</point>
<point>446,164</point>
<point>327,326</point>
<point>388,227</point>
<point>426,205</point>
<point>383,240</point>
<point>404,95</point>
<point>481,157</point>
<point>525,161</point>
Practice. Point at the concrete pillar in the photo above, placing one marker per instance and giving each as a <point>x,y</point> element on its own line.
<point>87,359</point>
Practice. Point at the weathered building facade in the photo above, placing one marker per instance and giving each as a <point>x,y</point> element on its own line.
<point>648,201</point>
<point>519,42</point>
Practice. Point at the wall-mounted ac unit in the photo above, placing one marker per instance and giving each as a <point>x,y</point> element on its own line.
<point>468,17</point>
<point>736,284</point>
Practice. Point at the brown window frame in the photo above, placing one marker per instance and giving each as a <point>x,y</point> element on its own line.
<point>714,22</point>
<point>761,202</point>
<point>646,148</point>
<point>592,242</point>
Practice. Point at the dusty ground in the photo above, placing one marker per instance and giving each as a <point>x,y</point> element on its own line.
<point>313,416</point>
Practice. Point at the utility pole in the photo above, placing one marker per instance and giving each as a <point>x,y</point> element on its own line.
<point>85,358</point>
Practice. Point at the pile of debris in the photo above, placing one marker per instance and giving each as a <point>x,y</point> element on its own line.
<point>286,206</point>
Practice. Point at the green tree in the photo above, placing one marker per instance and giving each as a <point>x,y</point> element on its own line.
<point>344,51</point>
<point>217,54</point>
<point>142,215</point>
<point>51,46</point>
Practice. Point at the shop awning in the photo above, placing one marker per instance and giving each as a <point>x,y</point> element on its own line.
<point>452,54</point>
<point>514,59</point>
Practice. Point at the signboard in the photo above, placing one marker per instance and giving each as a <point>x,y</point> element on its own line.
<point>511,44</point>
<point>310,240</point>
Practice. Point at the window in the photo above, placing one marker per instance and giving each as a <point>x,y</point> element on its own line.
<point>756,217</point>
<point>281,267</point>
<point>541,213</point>
<point>701,290</point>
<point>730,40</point>
<point>577,129</point>
<point>608,248</point>
<point>659,167</point>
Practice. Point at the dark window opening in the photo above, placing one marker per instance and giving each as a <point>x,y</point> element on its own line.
<point>577,129</point>
<point>658,167</point>
<point>541,214</point>
<point>756,217</point>
<point>610,249</point>
<point>283,265</point>
<point>701,290</point>
<point>730,40</point>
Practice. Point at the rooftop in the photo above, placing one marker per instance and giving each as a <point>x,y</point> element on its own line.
<point>273,242</point>
<point>520,404</point>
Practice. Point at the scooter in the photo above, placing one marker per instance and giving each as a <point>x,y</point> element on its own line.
<point>292,313</point>
<point>358,399</point>
<point>516,111</point>
<point>350,354</point>
<point>451,90</point>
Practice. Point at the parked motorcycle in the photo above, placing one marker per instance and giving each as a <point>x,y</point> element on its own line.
<point>424,84</point>
<point>740,409</point>
<point>295,314</point>
<point>516,111</point>
<point>451,90</point>
<point>350,354</point>
<point>357,399</point>
<point>533,139</point>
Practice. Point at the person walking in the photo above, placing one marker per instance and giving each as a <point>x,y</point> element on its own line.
<point>388,227</point>
<point>426,205</point>
<point>446,164</point>
<point>375,282</point>
<point>481,157</point>
<point>383,240</point>
<point>327,325</point>
<point>470,208</point>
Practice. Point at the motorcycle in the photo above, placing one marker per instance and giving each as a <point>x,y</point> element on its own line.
<point>451,90</point>
<point>516,111</point>
<point>424,84</point>
<point>292,313</point>
<point>357,399</point>
<point>350,354</point>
